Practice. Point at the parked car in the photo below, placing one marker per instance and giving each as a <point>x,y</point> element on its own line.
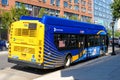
<point>119,42</point>
<point>7,44</point>
<point>115,41</point>
<point>3,45</point>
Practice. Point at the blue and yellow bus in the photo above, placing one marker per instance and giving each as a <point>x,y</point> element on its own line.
<point>51,42</point>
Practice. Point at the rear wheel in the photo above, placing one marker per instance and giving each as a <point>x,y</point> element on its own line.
<point>67,61</point>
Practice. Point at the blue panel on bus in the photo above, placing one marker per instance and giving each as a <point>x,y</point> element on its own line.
<point>52,20</point>
<point>94,51</point>
<point>30,18</point>
<point>57,22</point>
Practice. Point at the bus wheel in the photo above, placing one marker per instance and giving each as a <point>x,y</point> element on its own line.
<point>67,61</point>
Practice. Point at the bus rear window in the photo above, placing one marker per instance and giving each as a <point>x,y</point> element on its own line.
<point>25,32</point>
<point>32,25</point>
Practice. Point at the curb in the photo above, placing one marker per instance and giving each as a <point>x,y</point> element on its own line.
<point>54,76</point>
<point>3,52</point>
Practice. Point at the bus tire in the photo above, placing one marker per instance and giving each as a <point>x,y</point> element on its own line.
<point>67,61</point>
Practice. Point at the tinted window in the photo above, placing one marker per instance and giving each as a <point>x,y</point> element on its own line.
<point>69,41</point>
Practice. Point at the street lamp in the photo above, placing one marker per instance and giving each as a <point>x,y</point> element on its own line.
<point>113,49</point>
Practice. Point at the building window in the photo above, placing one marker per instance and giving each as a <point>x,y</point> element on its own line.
<point>85,18</point>
<point>52,12</point>
<point>70,6</point>
<point>36,11</point>
<point>83,2</point>
<point>75,1</point>
<point>65,4</point>
<point>52,2</point>
<point>57,2</point>
<point>28,7</point>
<point>17,4</point>
<point>44,1</point>
<point>76,7</point>
<point>68,15</point>
<point>89,11</point>
<point>4,2</point>
<point>70,1</point>
<point>89,4</point>
<point>83,9</point>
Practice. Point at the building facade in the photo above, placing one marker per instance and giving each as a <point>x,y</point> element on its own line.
<point>82,9</point>
<point>102,12</point>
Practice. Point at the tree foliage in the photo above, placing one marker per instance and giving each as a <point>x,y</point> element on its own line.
<point>13,15</point>
<point>73,18</point>
<point>63,16</point>
<point>89,20</point>
<point>117,34</point>
<point>115,6</point>
<point>109,32</point>
<point>42,12</point>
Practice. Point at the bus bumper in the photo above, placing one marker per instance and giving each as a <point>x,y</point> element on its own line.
<point>25,63</point>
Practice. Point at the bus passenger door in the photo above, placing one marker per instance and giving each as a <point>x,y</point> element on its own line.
<point>93,48</point>
<point>89,45</point>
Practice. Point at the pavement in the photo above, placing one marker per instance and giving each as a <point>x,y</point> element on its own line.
<point>3,52</point>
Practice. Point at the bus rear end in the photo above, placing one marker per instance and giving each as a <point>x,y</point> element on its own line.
<point>26,43</point>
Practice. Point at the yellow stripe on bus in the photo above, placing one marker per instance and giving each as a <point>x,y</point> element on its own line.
<point>100,31</point>
<point>78,55</point>
<point>75,57</point>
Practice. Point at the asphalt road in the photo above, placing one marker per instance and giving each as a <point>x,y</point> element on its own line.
<point>10,71</point>
<point>3,60</point>
<point>104,68</point>
<point>89,70</point>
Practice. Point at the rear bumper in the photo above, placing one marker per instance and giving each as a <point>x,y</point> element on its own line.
<point>25,63</point>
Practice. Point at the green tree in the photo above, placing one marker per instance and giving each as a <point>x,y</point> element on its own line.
<point>6,20</point>
<point>42,12</point>
<point>117,34</point>
<point>115,6</point>
<point>13,15</point>
<point>89,20</point>
<point>109,32</point>
<point>62,16</point>
<point>73,18</point>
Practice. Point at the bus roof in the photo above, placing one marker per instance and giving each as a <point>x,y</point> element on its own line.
<point>52,20</point>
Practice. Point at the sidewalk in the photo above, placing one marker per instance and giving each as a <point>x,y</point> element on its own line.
<point>3,52</point>
<point>54,76</point>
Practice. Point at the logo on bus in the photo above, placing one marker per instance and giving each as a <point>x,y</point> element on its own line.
<point>82,31</point>
<point>55,29</point>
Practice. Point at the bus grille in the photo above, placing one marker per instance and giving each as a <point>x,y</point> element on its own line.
<point>25,32</point>
<point>24,49</point>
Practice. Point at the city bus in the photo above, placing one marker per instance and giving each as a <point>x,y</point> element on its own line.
<point>50,42</point>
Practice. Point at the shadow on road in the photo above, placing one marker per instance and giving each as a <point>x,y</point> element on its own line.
<point>35,70</point>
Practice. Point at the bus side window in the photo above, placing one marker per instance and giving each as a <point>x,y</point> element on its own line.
<point>81,41</point>
<point>103,38</point>
<point>96,40</point>
<point>69,41</point>
<point>91,40</point>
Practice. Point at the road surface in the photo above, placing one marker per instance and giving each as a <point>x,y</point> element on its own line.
<point>88,70</point>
